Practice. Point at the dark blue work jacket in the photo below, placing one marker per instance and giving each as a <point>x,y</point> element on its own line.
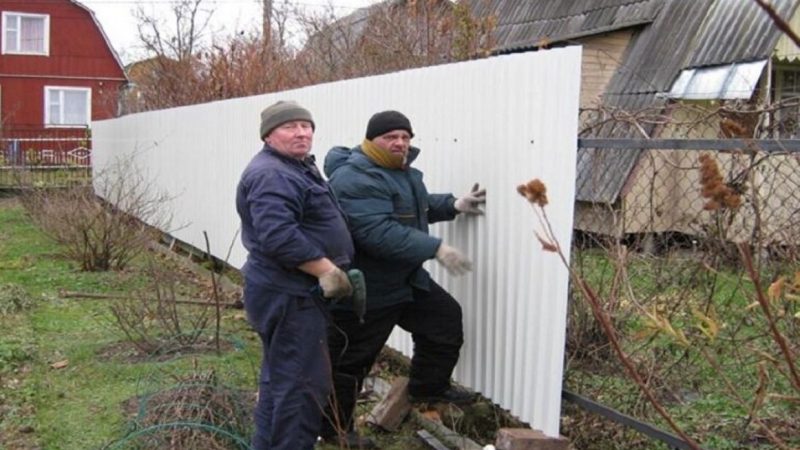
<point>389,212</point>
<point>289,216</point>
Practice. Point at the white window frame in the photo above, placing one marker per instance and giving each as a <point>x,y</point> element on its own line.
<point>48,92</point>
<point>7,15</point>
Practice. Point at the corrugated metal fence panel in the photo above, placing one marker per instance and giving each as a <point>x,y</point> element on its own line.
<point>517,126</point>
<point>499,121</point>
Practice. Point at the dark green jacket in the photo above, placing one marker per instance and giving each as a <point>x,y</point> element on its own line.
<point>389,212</point>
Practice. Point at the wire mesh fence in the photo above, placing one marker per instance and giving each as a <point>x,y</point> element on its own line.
<point>188,410</point>
<point>688,233</point>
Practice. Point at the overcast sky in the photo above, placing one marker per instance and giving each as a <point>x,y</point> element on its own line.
<point>119,23</point>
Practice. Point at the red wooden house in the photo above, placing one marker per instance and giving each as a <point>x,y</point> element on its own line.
<point>58,72</point>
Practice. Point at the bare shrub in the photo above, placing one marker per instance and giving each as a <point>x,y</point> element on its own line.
<point>101,235</point>
<point>158,322</point>
<point>390,36</point>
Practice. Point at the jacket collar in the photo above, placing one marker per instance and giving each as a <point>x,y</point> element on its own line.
<point>307,164</point>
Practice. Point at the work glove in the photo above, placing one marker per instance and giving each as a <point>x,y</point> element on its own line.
<point>335,284</point>
<point>453,260</point>
<point>469,203</point>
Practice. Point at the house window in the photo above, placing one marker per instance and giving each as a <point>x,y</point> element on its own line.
<point>787,99</point>
<point>26,34</point>
<point>67,106</point>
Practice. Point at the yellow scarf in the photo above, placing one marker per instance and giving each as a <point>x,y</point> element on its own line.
<point>381,157</point>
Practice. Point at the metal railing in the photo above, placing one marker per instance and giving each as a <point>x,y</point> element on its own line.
<point>45,157</point>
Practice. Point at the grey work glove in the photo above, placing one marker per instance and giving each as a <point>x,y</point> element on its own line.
<point>453,260</point>
<point>469,203</point>
<point>335,284</point>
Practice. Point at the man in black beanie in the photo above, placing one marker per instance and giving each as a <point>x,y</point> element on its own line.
<point>389,209</point>
<point>297,242</point>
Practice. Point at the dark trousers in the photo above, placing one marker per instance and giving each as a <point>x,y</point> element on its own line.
<point>434,320</point>
<point>295,368</point>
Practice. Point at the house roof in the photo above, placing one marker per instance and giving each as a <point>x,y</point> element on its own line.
<point>525,24</point>
<point>670,36</point>
<point>105,36</point>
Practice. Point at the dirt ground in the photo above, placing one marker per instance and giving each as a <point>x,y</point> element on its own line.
<point>8,199</point>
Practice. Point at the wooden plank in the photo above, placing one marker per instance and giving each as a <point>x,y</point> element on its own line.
<point>453,439</point>
<point>390,412</point>
<point>430,440</point>
<point>450,437</point>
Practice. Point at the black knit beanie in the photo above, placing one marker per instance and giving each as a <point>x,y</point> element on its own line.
<point>281,112</point>
<point>386,121</point>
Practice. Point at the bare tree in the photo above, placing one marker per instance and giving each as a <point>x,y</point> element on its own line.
<point>389,36</point>
<point>266,22</point>
<point>182,39</point>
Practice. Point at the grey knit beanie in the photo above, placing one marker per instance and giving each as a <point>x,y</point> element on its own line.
<point>386,121</point>
<point>280,113</point>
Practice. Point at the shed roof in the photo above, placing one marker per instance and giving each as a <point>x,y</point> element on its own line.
<point>670,36</point>
<point>525,24</point>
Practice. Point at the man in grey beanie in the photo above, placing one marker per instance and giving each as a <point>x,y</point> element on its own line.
<point>298,243</point>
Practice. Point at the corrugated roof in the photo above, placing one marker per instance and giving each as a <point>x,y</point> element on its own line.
<point>738,31</point>
<point>786,50</point>
<point>673,35</point>
<point>601,173</point>
<point>659,51</point>
<point>523,24</point>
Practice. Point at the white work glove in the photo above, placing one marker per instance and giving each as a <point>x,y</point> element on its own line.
<point>335,284</point>
<point>453,260</point>
<point>469,203</point>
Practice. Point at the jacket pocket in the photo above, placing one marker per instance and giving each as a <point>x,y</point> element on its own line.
<point>319,203</point>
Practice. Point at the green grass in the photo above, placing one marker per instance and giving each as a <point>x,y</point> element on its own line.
<point>42,177</point>
<point>683,379</point>
<point>80,405</point>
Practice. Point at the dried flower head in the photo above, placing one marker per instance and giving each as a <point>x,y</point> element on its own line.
<point>719,194</point>
<point>534,191</point>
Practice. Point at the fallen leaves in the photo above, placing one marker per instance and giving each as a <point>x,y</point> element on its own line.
<point>60,364</point>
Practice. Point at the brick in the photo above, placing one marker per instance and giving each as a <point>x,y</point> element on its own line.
<point>527,439</point>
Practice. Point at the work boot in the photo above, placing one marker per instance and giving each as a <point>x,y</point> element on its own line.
<point>351,441</point>
<point>453,394</point>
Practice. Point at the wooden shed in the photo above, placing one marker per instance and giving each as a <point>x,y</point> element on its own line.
<point>675,60</point>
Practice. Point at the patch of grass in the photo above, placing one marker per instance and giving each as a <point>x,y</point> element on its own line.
<point>674,288</point>
<point>69,376</point>
<point>13,299</point>
<point>57,393</point>
<point>42,177</point>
